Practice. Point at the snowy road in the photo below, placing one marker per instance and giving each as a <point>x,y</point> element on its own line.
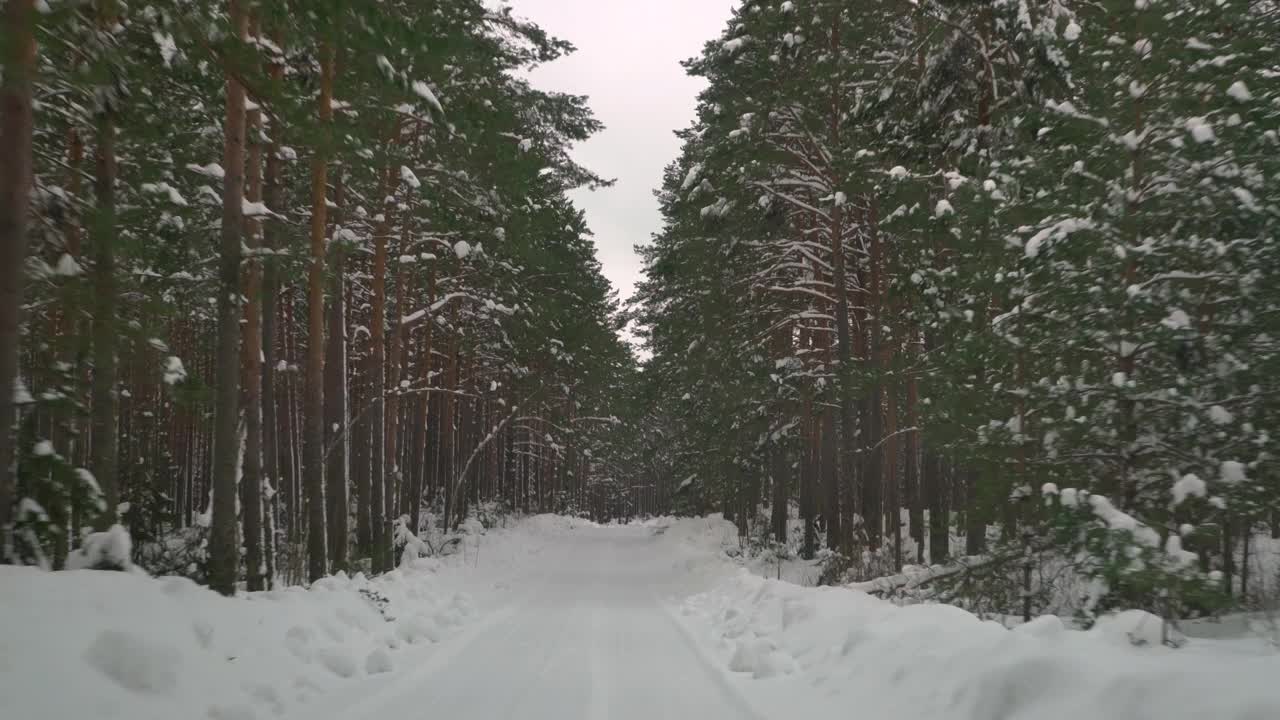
<point>552,618</point>
<point>586,638</point>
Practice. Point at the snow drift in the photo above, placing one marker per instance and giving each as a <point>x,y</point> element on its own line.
<point>81,644</point>
<point>833,650</point>
<point>85,643</point>
<point>115,644</point>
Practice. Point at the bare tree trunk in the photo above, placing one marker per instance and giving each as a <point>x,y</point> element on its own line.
<point>421,456</point>
<point>56,425</point>
<point>445,424</point>
<point>271,471</point>
<point>313,445</point>
<point>829,459</point>
<point>224,543</point>
<point>1228,557</point>
<point>251,475</point>
<point>102,238</point>
<point>933,487</point>
<point>873,425</point>
<point>844,356</point>
<point>286,411</point>
<point>975,527</point>
<point>16,121</point>
<point>808,469</point>
<point>915,498</point>
<point>891,474</point>
<point>360,465</point>
<point>337,492</point>
<point>392,408</point>
<point>780,472</point>
<point>377,393</point>
<point>1245,537</point>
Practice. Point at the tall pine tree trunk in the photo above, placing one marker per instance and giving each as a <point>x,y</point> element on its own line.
<point>975,526</point>
<point>808,471</point>
<point>377,392</point>
<point>271,472</point>
<point>780,473</point>
<point>933,489</point>
<point>16,121</point>
<point>829,461</point>
<point>313,443</point>
<point>251,475</point>
<point>421,455</point>
<point>360,442</point>
<point>915,499</point>
<point>446,425</point>
<point>103,456</point>
<point>392,408</point>
<point>872,424</point>
<point>287,437</point>
<point>337,492</point>
<point>224,541</point>
<point>844,356</point>
<point>891,474</point>
<point>69,438</point>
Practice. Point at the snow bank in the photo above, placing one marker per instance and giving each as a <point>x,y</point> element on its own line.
<point>93,644</point>
<point>79,644</point>
<point>547,524</point>
<point>101,644</point>
<point>823,650</point>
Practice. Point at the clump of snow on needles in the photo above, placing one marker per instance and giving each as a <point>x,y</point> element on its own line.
<point>174,371</point>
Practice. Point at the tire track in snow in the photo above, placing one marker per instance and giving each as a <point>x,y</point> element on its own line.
<point>408,682</point>
<point>714,670</point>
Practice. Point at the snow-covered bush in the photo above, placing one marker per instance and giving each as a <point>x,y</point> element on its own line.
<point>494,513</point>
<point>183,552</point>
<point>1130,564</point>
<point>53,495</point>
<point>111,549</point>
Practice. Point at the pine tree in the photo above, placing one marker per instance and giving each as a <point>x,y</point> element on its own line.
<point>15,182</point>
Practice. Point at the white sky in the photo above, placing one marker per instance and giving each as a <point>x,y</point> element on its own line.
<point>628,62</point>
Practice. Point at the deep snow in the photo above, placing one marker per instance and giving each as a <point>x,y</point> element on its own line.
<point>562,619</point>
<point>95,644</point>
<point>586,636</point>
<point>832,650</point>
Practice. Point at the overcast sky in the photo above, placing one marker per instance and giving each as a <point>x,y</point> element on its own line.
<point>628,62</point>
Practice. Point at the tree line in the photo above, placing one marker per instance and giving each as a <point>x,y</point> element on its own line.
<point>281,281</point>
<point>979,279</point>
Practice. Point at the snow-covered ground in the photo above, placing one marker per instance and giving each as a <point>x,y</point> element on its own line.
<point>586,636</point>
<point>563,619</point>
<point>827,651</point>
<point>95,644</point>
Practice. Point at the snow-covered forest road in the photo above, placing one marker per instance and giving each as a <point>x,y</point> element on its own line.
<point>554,617</point>
<point>587,635</point>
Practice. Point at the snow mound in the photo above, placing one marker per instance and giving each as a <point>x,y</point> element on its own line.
<point>826,649</point>
<point>338,661</point>
<point>135,663</point>
<point>109,550</point>
<point>761,658</point>
<point>418,629</point>
<point>1045,626</point>
<point>88,643</point>
<point>379,661</point>
<point>1135,627</point>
